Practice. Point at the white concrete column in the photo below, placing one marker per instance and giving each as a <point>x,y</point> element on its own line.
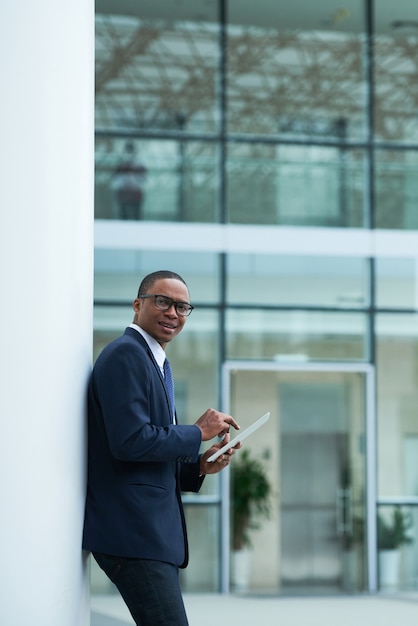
<point>46,276</point>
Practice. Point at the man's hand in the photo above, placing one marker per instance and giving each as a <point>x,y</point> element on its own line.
<point>222,461</point>
<point>213,423</point>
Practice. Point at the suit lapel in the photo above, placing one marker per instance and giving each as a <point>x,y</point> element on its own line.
<point>136,335</point>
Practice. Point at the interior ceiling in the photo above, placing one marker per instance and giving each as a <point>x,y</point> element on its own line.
<point>400,17</point>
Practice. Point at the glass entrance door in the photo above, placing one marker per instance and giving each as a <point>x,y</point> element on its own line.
<point>314,452</point>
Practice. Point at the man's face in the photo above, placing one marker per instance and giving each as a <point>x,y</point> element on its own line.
<point>163,326</point>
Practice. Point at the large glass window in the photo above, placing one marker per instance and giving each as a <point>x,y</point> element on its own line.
<point>286,114</point>
<point>397,396</point>
<point>119,272</point>
<point>159,180</point>
<point>156,66</point>
<point>195,361</point>
<point>296,335</point>
<point>397,446</point>
<point>269,279</point>
<point>395,70</point>
<point>296,70</point>
<point>179,105</point>
<point>311,457</point>
<point>396,188</point>
<point>396,283</point>
<point>295,185</point>
<point>203,532</point>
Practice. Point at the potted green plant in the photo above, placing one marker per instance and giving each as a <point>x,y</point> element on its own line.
<point>250,503</point>
<point>392,533</point>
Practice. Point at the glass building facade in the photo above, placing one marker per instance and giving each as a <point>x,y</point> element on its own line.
<point>268,153</point>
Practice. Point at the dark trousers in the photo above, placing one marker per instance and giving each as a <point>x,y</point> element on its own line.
<point>150,589</point>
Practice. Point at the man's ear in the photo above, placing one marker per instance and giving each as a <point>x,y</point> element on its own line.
<point>136,305</point>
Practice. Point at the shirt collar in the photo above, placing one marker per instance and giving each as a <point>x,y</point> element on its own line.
<point>156,349</point>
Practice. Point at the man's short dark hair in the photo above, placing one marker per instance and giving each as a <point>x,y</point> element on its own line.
<point>150,279</point>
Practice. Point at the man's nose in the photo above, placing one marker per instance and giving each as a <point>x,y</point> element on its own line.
<point>172,310</point>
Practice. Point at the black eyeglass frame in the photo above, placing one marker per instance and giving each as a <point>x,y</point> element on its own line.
<point>171,302</point>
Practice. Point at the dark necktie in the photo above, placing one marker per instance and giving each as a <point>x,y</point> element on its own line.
<point>169,385</point>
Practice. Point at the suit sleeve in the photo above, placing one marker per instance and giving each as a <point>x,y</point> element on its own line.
<point>135,412</point>
<point>189,476</point>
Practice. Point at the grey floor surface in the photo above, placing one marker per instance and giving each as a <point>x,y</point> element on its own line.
<point>211,609</point>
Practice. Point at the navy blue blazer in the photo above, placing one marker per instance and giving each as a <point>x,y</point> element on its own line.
<point>138,460</point>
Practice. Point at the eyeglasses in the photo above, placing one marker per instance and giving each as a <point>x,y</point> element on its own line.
<point>164,303</point>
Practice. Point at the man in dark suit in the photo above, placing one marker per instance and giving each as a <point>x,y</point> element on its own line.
<point>140,458</point>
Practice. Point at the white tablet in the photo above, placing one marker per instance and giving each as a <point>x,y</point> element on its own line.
<point>240,437</point>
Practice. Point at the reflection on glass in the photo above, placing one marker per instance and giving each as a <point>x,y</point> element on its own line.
<point>310,451</point>
<point>194,359</point>
<point>296,70</point>
<point>396,283</point>
<point>397,448</point>
<point>294,73</point>
<point>396,88</point>
<point>397,402</point>
<point>118,273</point>
<point>203,524</point>
<point>157,180</point>
<point>297,336</point>
<point>295,185</point>
<point>278,280</point>
<point>198,177</point>
<point>156,67</point>
<point>396,189</point>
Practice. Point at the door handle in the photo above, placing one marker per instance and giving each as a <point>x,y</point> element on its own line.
<point>344,514</point>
